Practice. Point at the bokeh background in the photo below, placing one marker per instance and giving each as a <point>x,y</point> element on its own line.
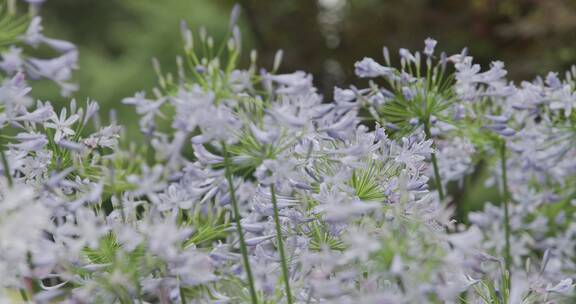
<point>118,38</point>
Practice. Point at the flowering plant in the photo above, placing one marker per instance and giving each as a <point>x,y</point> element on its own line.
<point>253,188</point>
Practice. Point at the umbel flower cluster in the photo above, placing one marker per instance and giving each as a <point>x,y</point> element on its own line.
<point>251,187</point>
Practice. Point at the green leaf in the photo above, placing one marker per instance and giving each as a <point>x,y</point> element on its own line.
<point>12,27</point>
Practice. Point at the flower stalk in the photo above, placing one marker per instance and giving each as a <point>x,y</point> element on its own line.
<point>243,247</point>
<point>437,178</point>
<point>5,166</point>
<point>506,199</point>
<point>283,262</point>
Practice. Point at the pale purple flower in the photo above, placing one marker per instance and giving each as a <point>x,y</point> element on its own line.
<point>368,68</point>
<point>164,238</point>
<point>407,55</point>
<point>412,152</point>
<point>294,83</point>
<point>149,183</point>
<point>196,268</point>
<point>343,95</point>
<point>106,137</point>
<point>565,287</point>
<point>147,108</point>
<point>30,141</point>
<point>58,69</point>
<point>430,44</point>
<point>12,60</point>
<point>14,94</point>
<point>42,113</point>
<point>265,137</point>
<point>553,81</point>
<point>359,217</point>
<point>33,35</point>
<point>258,240</point>
<point>35,1</point>
<point>563,98</point>
<point>62,124</point>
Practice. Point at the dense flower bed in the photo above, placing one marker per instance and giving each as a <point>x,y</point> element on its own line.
<point>253,188</point>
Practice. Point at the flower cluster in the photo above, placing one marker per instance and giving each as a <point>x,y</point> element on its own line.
<point>250,187</point>
<point>58,69</point>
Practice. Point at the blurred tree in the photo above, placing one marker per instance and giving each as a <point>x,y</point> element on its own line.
<point>326,37</point>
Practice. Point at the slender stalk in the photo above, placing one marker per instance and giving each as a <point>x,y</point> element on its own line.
<point>5,166</point>
<point>182,295</point>
<point>283,261</point>
<point>243,248</point>
<point>506,199</point>
<point>437,177</point>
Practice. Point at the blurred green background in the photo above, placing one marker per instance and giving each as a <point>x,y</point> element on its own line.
<point>118,38</point>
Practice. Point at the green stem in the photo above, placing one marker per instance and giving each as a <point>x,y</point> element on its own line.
<point>182,295</point>
<point>506,199</point>
<point>6,167</point>
<point>437,177</point>
<point>24,295</point>
<point>283,261</point>
<point>243,248</point>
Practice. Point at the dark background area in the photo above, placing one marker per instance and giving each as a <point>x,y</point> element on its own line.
<point>118,38</point>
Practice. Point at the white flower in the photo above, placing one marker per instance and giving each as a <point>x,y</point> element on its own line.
<point>62,125</point>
